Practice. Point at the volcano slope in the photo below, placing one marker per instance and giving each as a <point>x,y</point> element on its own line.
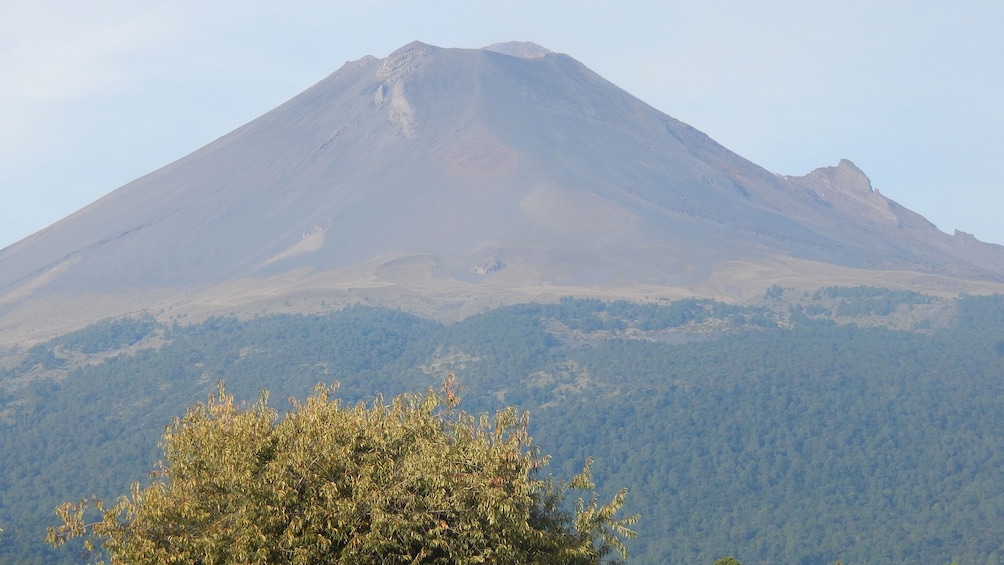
<point>450,181</point>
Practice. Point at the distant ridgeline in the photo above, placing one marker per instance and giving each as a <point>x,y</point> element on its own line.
<point>858,424</point>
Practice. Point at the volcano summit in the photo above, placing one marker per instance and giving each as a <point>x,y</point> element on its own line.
<point>448,181</point>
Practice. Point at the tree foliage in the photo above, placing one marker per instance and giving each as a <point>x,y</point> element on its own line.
<point>794,444</point>
<point>412,481</point>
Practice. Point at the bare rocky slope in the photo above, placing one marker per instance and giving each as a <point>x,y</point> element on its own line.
<point>449,181</point>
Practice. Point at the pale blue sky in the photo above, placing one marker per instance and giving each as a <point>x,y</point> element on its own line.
<point>94,94</point>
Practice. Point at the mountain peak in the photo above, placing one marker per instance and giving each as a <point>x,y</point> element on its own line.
<point>414,46</point>
<point>404,59</point>
<point>524,49</point>
<point>412,188</point>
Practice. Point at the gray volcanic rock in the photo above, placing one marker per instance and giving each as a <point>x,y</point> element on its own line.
<point>406,175</point>
<point>525,49</point>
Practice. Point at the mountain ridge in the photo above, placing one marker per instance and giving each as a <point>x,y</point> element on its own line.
<point>401,176</point>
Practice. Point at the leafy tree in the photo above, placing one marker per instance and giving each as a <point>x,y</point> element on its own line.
<point>415,481</point>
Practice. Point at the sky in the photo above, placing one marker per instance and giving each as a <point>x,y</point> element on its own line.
<point>95,94</point>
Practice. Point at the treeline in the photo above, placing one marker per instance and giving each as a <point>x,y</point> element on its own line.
<point>869,300</point>
<point>591,315</point>
<point>774,444</point>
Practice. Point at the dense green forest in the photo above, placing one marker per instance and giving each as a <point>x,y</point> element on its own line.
<point>778,434</point>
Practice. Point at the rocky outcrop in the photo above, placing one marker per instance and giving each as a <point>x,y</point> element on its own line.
<point>846,187</point>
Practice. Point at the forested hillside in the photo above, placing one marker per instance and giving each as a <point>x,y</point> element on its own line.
<point>771,434</point>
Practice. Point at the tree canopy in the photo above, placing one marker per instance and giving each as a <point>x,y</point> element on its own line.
<point>412,481</point>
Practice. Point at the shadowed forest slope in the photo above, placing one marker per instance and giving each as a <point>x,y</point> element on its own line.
<point>739,431</point>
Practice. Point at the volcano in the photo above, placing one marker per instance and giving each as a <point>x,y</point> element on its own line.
<point>449,181</point>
